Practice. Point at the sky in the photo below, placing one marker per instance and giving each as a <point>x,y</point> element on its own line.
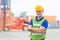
<point>51,7</point>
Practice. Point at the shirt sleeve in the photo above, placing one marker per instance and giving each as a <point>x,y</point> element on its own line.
<point>31,22</point>
<point>45,24</point>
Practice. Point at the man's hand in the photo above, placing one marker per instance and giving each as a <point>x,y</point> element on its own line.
<point>29,28</point>
<point>41,30</point>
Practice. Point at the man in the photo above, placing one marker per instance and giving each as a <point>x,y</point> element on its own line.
<point>38,25</point>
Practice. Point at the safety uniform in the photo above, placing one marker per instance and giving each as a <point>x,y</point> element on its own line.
<point>36,36</point>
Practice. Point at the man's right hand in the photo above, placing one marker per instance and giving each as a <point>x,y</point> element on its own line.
<point>29,28</point>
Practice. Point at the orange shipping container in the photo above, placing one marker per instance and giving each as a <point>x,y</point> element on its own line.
<point>1,20</point>
<point>51,18</point>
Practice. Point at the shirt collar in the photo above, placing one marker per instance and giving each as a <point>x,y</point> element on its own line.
<point>39,19</point>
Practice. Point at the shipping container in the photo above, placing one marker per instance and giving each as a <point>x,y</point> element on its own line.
<point>52,25</point>
<point>4,8</point>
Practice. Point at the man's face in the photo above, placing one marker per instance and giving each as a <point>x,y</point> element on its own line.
<point>39,13</point>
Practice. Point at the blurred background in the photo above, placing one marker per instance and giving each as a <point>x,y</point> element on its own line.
<point>15,13</point>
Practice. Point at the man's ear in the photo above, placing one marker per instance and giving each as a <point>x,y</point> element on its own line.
<point>42,11</point>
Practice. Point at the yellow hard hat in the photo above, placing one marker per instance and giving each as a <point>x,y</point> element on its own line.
<point>39,8</point>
